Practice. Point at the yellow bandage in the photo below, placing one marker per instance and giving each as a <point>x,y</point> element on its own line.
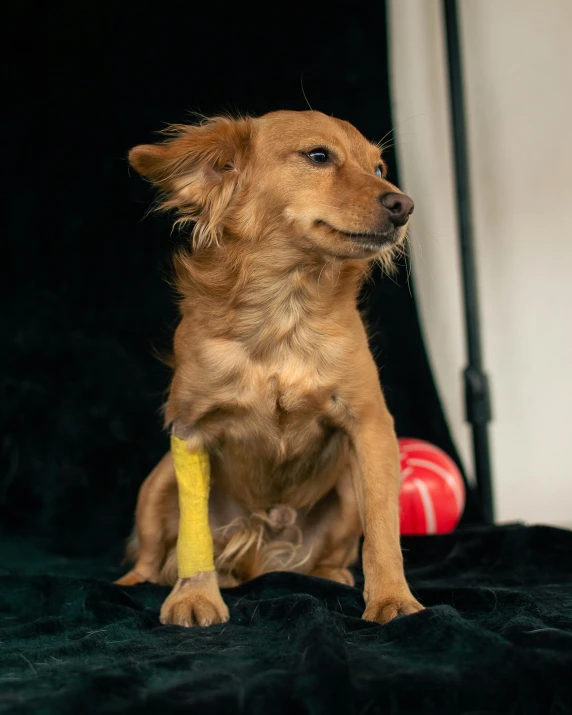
<point>195,543</point>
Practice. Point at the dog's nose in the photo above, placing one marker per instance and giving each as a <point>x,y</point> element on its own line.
<point>399,206</point>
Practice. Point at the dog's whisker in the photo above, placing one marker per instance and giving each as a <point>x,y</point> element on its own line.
<point>379,143</point>
<point>319,276</point>
<point>303,92</point>
<point>384,147</point>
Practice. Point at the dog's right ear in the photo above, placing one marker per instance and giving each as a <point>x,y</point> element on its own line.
<point>198,170</point>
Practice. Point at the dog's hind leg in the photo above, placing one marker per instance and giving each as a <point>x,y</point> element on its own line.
<point>324,540</point>
<point>156,524</point>
<point>337,538</point>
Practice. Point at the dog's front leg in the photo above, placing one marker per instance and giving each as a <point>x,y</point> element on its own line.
<point>195,598</point>
<point>376,477</point>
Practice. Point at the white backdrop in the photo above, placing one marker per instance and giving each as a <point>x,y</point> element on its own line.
<point>517,58</point>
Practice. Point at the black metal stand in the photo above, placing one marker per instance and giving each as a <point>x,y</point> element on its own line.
<point>477,398</point>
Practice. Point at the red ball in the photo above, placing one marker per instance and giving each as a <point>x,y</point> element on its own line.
<point>432,496</point>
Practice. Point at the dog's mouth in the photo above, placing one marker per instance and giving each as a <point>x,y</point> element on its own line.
<point>369,241</point>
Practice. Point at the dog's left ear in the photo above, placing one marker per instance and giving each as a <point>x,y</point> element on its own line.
<point>198,170</point>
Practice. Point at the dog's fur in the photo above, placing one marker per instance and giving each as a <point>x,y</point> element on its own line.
<point>272,370</point>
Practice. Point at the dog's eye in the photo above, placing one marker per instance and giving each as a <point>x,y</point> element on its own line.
<point>379,172</point>
<point>319,156</point>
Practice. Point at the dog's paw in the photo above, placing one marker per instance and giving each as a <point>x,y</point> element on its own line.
<point>384,610</point>
<point>132,578</point>
<point>195,601</point>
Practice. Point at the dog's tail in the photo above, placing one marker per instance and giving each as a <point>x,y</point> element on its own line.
<point>251,545</point>
<point>262,542</point>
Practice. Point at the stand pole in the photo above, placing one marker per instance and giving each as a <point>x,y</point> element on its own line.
<point>477,397</point>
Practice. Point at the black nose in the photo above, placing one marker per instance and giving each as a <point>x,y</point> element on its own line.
<point>399,206</point>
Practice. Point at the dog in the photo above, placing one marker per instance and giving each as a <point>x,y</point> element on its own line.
<point>273,375</point>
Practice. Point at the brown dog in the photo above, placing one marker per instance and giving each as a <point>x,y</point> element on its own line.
<point>272,370</point>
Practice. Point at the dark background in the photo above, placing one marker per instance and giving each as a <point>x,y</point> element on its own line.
<point>85,306</point>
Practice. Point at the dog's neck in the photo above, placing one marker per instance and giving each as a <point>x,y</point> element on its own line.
<point>266,295</point>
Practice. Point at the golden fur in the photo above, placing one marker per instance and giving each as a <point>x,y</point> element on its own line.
<point>272,370</point>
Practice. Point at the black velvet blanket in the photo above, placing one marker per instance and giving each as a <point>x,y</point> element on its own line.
<point>496,637</point>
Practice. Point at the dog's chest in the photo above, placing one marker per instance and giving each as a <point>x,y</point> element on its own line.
<point>295,392</point>
<point>279,422</point>
<point>288,382</point>
<point>287,400</point>
<point>288,435</point>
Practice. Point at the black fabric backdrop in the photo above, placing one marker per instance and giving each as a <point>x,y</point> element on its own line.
<point>85,310</point>
<point>86,307</point>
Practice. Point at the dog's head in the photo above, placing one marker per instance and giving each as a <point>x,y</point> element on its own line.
<point>312,178</point>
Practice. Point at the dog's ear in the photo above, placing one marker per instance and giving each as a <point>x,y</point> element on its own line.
<point>198,170</point>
